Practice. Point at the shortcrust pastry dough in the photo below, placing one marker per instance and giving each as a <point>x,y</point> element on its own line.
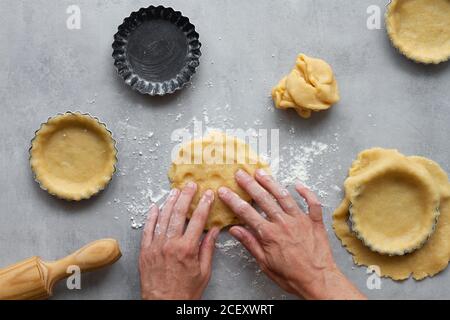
<point>212,162</point>
<point>427,261</point>
<point>73,156</point>
<point>420,29</point>
<point>310,86</point>
<point>394,205</point>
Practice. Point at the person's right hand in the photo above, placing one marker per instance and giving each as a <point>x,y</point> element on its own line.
<point>290,246</point>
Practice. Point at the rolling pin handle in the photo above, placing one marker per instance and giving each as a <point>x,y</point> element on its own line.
<point>93,256</point>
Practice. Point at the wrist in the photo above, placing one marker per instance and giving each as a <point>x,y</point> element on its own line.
<point>329,284</point>
<point>160,295</point>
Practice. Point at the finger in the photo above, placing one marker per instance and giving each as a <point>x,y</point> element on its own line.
<point>164,216</point>
<point>249,241</point>
<point>207,250</point>
<point>314,206</point>
<point>199,218</point>
<point>149,228</point>
<point>252,245</point>
<point>259,194</point>
<point>241,208</point>
<point>282,195</point>
<point>180,210</point>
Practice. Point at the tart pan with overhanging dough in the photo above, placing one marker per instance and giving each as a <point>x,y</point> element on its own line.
<point>73,156</point>
<point>423,262</point>
<point>211,162</point>
<point>394,205</point>
<point>420,29</point>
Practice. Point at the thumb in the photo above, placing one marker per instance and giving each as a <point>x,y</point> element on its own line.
<point>207,249</point>
<point>249,241</point>
<point>315,208</point>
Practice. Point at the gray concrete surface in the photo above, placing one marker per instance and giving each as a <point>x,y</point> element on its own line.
<point>247,46</point>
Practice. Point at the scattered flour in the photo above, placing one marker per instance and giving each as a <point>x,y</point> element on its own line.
<point>257,122</point>
<point>297,163</point>
<point>145,183</point>
<point>304,162</point>
<point>146,179</point>
<point>240,263</point>
<point>233,249</point>
<point>146,176</point>
<point>226,246</point>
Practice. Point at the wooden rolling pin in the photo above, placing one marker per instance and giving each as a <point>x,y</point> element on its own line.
<point>34,278</point>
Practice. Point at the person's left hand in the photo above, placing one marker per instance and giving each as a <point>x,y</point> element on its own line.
<point>175,263</point>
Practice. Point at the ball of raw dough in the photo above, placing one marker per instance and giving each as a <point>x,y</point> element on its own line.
<point>310,86</point>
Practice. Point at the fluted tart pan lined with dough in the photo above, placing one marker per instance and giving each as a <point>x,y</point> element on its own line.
<point>427,261</point>
<point>394,206</point>
<point>420,29</point>
<point>73,156</point>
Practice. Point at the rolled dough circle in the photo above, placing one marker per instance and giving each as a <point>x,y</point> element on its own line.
<point>211,162</point>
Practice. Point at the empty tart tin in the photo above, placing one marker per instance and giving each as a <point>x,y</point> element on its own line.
<point>156,50</point>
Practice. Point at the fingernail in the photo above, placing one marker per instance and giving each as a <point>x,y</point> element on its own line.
<point>191,185</point>
<point>173,192</point>
<point>150,211</point>
<point>261,172</point>
<point>209,194</point>
<point>215,234</point>
<point>222,191</point>
<point>299,184</point>
<point>236,233</point>
<point>241,173</point>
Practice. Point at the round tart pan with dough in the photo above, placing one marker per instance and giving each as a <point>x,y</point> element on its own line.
<point>432,257</point>
<point>394,206</point>
<point>211,162</point>
<point>420,29</point>
<point>73,156</point>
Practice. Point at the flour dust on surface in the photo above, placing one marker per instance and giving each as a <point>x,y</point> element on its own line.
<point>147,160</point>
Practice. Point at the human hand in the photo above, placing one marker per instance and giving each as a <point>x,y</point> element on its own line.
<point>290,246</point>
<point>174,263</point>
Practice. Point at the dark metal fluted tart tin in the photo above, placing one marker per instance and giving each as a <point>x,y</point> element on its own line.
<point>156,50</point>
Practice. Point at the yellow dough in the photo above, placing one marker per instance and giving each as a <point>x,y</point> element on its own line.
<point>420,29</point>
<point>394,204</point>
<point>427,261</point>
<point>73,156</point>
<point>310,86</point>
<point>212,162</point>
